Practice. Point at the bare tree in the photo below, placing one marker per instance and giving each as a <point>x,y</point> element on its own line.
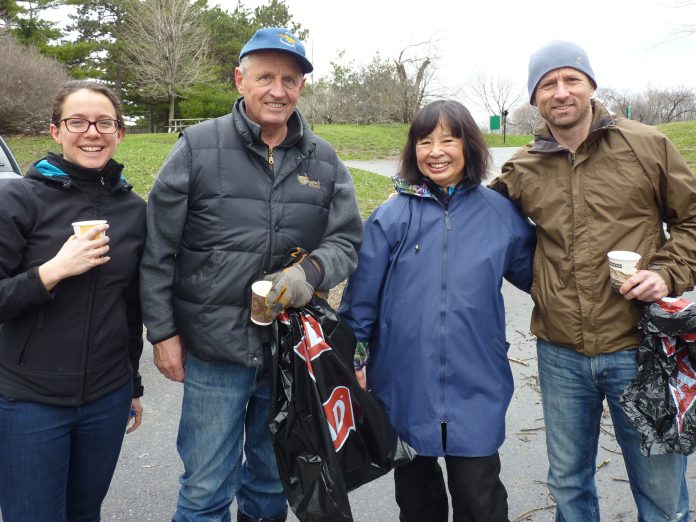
<point>166,47</point>
<point>524,119</point>
<point>29,83</point>
<point>652,106</point>
<point>414,70</point>
<point>495,94</point>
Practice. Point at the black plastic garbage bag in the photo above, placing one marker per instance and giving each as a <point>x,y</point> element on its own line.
<point>329,435</point>
<point>661,401</point>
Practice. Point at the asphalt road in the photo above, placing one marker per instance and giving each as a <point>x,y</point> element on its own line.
<point>145,485</point>
<point>389,167</point>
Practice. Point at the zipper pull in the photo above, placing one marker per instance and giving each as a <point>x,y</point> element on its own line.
<point>270,156</point>
<point>101,179</point>
<point>447,220</point>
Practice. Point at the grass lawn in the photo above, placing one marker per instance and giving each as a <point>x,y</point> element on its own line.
<point>143,154</point>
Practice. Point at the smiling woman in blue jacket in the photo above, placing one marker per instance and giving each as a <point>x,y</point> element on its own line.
<point>426,301</point>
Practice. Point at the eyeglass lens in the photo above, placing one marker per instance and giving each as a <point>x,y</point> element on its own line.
<point>81,125</point>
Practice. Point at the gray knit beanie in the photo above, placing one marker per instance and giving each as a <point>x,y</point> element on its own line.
<point>555,55</point>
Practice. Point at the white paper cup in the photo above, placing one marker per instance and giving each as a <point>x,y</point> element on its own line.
<point>622,265</point>
<point>260,313</point>
<point>82,227</point>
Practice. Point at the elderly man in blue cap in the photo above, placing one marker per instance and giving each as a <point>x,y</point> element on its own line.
<point>234,196</point>
<point>594,182</point>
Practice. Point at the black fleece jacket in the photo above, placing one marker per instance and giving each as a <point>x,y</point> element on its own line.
<point>83,339</point>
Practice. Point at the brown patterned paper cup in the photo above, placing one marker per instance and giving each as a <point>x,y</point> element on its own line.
<point>260,313</point>
<point>622,265</point>
<point>82,227</point>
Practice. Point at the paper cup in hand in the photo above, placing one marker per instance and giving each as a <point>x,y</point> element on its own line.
<point>622,265</point>
<point>260,313</point>
<point>82,227</point>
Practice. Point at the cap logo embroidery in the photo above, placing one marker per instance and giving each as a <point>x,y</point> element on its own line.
<point>287,40</point>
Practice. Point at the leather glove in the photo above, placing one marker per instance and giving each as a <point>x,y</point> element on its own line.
<point>290,289</point>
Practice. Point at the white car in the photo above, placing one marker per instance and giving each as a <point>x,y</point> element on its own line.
<point>9,168</point>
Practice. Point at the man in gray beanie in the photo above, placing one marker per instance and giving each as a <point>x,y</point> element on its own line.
<point>594,182</point>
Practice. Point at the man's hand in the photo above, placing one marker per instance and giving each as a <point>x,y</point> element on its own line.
<point>169,358</point>
<point>290,289</point>
<point>644,285</point>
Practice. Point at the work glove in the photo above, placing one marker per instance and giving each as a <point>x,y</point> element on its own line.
<point>290,289</point>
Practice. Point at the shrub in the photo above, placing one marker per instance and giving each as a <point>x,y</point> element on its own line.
<point>29,83</point>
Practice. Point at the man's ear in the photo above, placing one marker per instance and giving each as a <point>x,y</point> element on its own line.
<point>238,79</point>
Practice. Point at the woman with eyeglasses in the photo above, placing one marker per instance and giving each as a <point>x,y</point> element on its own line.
<point>70,327</point>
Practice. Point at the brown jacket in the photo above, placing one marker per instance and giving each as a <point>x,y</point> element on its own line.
<point>613,193</point>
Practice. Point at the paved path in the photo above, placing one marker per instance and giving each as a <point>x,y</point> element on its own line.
<point>389,167</point>
<point>145,485</point>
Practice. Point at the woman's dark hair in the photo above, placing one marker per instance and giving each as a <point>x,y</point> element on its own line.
<point>78,85</point>
<point>461,124</point>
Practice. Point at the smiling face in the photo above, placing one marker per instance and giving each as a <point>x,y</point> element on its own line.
<point>563,98</point>
<point>440,156</point>
<point>271,83</point>
<point>87,149</point>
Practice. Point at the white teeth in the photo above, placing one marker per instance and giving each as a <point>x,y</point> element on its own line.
<point>438,165</point>
<point>275,105</point>
<point>91,149</point>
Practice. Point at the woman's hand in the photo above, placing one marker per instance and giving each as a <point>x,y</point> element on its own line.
<point>137,408</point>
<point>360,376</point>
<point>76,256</point>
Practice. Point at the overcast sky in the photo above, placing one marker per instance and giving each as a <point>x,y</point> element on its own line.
<point>631,43</point>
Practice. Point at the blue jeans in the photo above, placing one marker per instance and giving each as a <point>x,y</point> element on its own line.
<point>573,387</point>
<point>224,415</point>
<point>56,462</point>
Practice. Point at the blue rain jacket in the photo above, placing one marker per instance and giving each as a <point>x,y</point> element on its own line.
<point>427,298</point>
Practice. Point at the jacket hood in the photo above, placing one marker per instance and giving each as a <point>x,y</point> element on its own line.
<point>45,171</point>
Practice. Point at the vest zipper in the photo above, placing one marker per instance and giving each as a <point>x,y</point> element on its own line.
<point>270,157</point>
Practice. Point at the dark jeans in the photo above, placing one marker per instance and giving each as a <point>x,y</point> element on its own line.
<point>474,483</point>
<point>56,462</point>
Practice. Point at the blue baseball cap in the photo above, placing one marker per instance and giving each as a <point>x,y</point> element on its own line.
<point>278,39</point>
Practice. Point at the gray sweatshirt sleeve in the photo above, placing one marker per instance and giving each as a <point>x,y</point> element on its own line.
<point>167,209</point>
<point>338,251</point>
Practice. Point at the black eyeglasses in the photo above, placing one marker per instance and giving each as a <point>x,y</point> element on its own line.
<point>82,125</point>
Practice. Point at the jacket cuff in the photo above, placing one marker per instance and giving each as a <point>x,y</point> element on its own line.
<point>314,271</point>
<point>159,339</point>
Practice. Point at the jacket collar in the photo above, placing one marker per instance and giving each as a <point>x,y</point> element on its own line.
<point>250,132</point>
<point>602,120</point>
<point>51,169</point>
<point>421,190</point>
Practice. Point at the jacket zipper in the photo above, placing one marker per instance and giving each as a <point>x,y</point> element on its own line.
<point>443,312</point>
<point>90,306</point>
<point>267,262</point>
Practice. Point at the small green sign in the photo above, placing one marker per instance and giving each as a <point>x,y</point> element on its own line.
<point>629,112</point>
<point>495,122</point>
